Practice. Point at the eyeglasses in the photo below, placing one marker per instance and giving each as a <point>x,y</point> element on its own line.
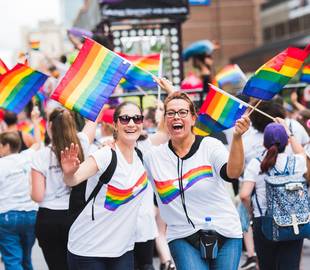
<point>125,119</point>
<point>181,113</point>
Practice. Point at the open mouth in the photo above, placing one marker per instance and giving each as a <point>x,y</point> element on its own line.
<point>177,126</point>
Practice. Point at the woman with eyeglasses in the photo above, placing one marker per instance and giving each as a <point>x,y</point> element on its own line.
<point>49,188</point>
<point>106,241</point>
<point>188,174</point>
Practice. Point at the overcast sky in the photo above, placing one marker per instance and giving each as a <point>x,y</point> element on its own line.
<point>17,13</point>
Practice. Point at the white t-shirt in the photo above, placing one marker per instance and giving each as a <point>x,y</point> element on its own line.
<point>14,182</point>
<point>112,232</point>
<point>252,174</point>
<point>205,194</point>
<point>146,226</point>
<point>57,193</point>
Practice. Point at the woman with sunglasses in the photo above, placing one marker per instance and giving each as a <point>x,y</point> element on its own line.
<point>188,174</point>
<point>107,242</point>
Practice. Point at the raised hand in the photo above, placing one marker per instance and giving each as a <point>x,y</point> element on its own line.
<point>69,159</point>
<point>242,125</point>
<point>165,84</point>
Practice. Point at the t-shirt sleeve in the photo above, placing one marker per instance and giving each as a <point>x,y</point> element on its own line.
<point>217,154</point>
<point>40,161</point>
<point>145,146</point>
<point>251,171</point>
<point>84,142</point>
<point>102,157</point>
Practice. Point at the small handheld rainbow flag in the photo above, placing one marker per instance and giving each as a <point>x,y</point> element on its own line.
<point>219,111</point>
<point>305,74</point>
<point>230,75</point>
<point>27,127</point>
<point>91,79</point>
<point>3,67</point>
<point>269,79</point>
<point>18,86</point>
<point>35,45</point>
<point>136,76</point>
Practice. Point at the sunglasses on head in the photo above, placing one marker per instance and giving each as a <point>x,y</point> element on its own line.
<point>125,119</point>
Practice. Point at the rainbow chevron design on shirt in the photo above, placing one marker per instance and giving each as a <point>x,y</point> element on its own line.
<point>168,190</point>
<point>116,197</point>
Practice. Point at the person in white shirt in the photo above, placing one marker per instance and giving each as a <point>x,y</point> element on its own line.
<point>107,240</point>
<point>17,210</point>
<point>283,255</point>
<point>49,188</point>
<point>188,174</point>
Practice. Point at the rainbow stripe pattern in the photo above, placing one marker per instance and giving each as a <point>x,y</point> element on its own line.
<point>116,197</point>
<point>3,67</point>
<point>136,76</point>
<point>218,112</point>
<point>91,79</point>
<point>230,75</point>
<point>27,127</point>
<point>18,86</point>
<point>35,45</point>
<point>305,74</point>
<point>269,79</point>
<point>169,190</point>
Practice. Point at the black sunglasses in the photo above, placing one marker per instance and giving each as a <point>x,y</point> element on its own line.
<point>125,119</point>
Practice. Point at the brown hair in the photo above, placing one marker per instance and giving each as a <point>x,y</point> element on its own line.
<point>64,132</point>
<point>270,159</point>
<point>180,95</point>
<point>13,139</point>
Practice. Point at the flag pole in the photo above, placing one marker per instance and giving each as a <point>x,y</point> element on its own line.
<point>160,74</point>
<point>242,102</point>
<point>255,107</point>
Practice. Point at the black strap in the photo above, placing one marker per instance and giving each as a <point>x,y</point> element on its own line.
<point>103,179</point>
<point>139,153</point>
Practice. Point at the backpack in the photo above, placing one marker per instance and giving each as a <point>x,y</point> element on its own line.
<point>288,211</point>
<point>77,201</point>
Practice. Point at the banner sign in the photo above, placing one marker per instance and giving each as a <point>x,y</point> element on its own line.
<point>199,2</point>
<point>121,9</point>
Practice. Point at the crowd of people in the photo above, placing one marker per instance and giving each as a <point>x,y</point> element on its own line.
<point>107,194</point>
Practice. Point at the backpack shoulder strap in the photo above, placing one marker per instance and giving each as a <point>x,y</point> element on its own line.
<point>139,153</point>
<point>290,165</point>
<point>103,179</point>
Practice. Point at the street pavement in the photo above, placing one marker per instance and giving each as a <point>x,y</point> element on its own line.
<point>39,263</point>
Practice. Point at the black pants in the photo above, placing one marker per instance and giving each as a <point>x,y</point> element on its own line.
<point>52,233</point>
<point>143,255</point>
<point>284,255</point>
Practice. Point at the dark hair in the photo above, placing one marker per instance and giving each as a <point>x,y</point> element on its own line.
<point>64,132</point>
<point>13,139</point>
<point>270,159</point>
<point>118,111</point>
<point>180,95</point>
<point>272,108</point>
<point>10,118</point>
<point>150,114</point>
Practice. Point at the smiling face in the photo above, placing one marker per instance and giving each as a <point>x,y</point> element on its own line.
<point>127,130</point>
<point>179,124</point>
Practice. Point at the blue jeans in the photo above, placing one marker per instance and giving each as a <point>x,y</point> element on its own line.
<point>17,239</point>
<point>244,217</point>
<point>187,256</point>
<point>124,262</point>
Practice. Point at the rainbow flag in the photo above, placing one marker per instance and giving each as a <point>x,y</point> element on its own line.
<point>305,74</point>
<point>3,67</point>
<point>218,112</point>
<point>91,79</point>
<point>18,86</point>
<point>27,127</point>
<point>230,75</point>
<point>35,45</point>
<point>136,76</point>
<point>269,79</point>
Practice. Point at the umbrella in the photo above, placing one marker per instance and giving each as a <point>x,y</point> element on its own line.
<point>198,47</point>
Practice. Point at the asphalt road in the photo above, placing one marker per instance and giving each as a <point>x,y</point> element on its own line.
<point>39,263</point>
